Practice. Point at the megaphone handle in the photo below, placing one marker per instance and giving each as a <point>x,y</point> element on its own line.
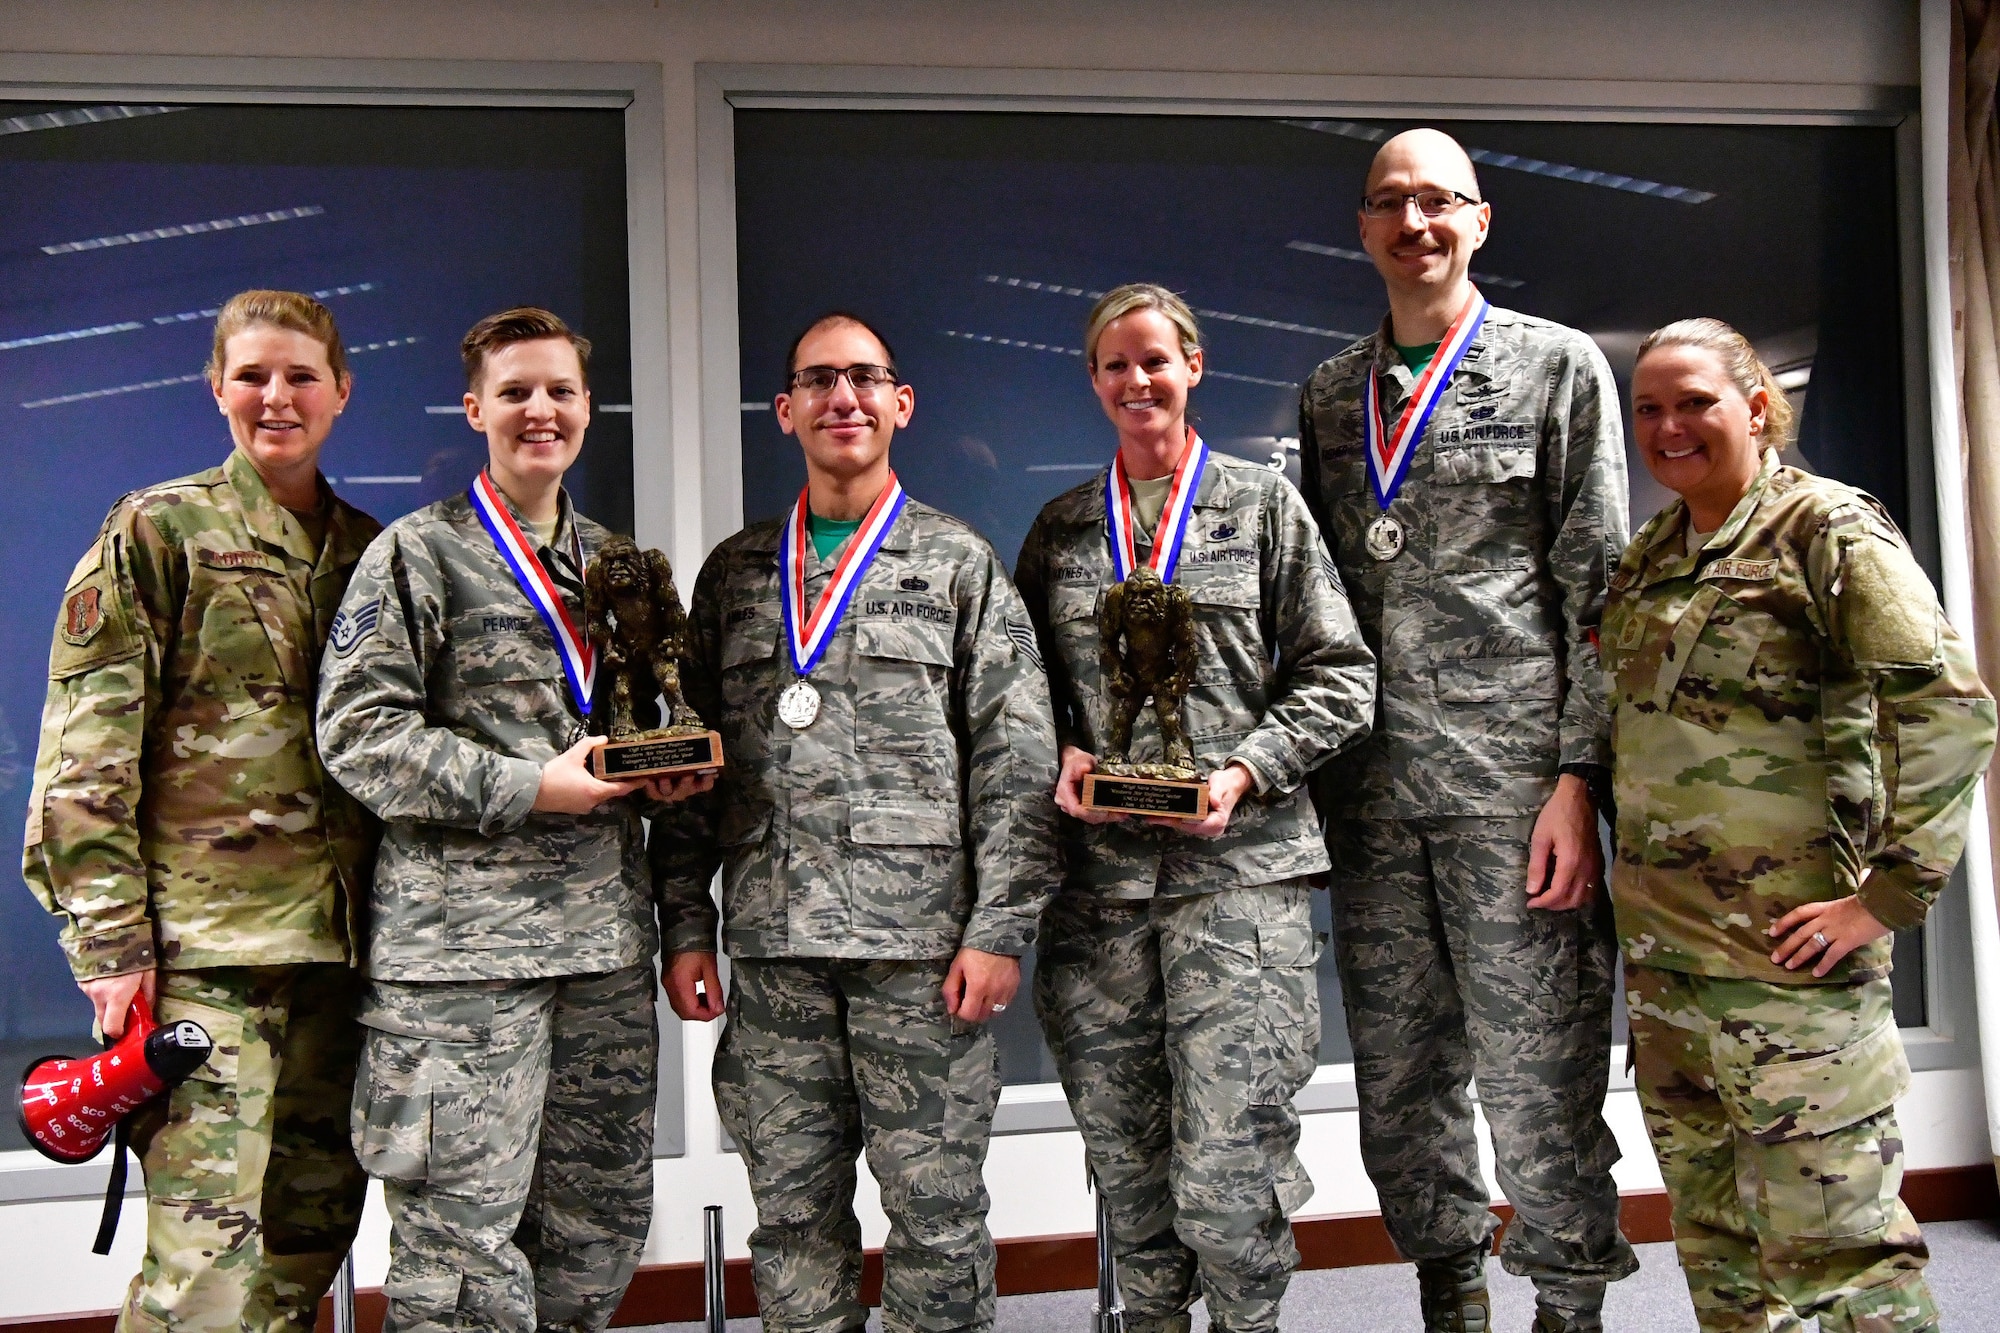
<point>140,1013</point>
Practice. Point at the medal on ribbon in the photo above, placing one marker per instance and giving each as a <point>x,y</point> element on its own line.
<point>579,660</point>
<point>807,633</point>
<point>1175,516</point>
<point>1389,451</point>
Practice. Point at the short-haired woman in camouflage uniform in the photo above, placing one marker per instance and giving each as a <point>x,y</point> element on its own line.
<point>1176,981</point>
<point>1798,731</point>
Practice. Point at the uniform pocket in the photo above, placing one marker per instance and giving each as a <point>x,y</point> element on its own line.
<point>416,1057</point>
<point>1491,680</point>
<point>1483,503</point>
<point>204,1150</point>
<point>906,871</point>
<point>238,654</point>
<point>1818,1168</point>
<point>900,694</point>
<point>1287,1013</point>
<point>505,893</point>
<point>1707,664</point>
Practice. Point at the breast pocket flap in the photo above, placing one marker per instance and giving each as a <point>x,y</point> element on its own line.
<point>1485,680</point>
<point>1483,463</point>
<point>934,825</point>
<point>904,640</point>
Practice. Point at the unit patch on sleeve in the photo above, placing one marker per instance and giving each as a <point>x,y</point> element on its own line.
<point>349,630</point>
<point>83,616</point>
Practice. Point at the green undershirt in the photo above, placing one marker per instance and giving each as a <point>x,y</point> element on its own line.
<point>1416,358</point>
<point>828,533</point>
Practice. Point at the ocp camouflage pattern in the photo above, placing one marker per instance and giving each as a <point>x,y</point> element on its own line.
<point>1282,679</point>
<point>916,813</point>
<point>1514,509</point>
<point>180,816</point>
<point>1795,720</point>
<point>1771,1107</point>
<point>438,710</point>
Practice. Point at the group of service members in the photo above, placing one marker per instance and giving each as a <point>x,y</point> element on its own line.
<point>297,770</point>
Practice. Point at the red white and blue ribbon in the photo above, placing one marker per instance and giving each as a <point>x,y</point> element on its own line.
<point>1175,515</point>
<point>579,660</point>
<point>808,633</point>
<point>1389,452</point>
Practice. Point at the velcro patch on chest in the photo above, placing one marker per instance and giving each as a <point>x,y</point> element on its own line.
<point>929,613</point>
<point>1748,571</point>
<point>350,628</point>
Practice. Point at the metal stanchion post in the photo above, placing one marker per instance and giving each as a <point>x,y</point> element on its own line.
<point>343,1297</point>
<point>1109,1317</point>
<point>715,1316</point>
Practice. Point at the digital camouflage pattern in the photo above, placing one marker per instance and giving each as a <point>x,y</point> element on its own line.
<point>439,704</point>
<point>1282,679</point>
<point>1449,977</point>
<point>511,1125</point>
<point>1795,721</point>
<point>252,1191</point>
<point>180,817</point>
<point>1514,507</point>
<point>819,1059</point>
<point>1182,1027</point>
<point>916,814</point>
<point>1771,1109</point>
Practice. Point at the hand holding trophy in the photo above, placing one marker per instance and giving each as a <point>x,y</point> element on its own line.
<point>1147,650</point>
<point>637,625</point>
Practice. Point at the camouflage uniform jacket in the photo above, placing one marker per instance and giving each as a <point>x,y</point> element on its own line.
<point>440,701</point>
<point>916,814</point>
<point>1794,720</point>
<point>1283,679</point>
<point>1514,509</point>
<point>180,817</point>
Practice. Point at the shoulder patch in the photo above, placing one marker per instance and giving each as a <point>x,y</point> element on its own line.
<point>83,616</point>
<point>1888,610</point>
<point>349,630</point>
<point>1023,635</point>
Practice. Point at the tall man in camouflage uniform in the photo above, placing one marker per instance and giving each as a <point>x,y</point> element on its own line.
<point>183,829</point>
<point>885,832</point>
<point>506,1091</point>
<point>1471,940</point>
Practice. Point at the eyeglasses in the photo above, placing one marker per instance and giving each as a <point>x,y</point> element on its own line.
<point>862,379</point>
<point>1431,203</point>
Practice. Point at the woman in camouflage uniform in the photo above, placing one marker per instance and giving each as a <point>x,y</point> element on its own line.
<point>1798,731</point>
<point>1176,981</point>
<point>184,829</point>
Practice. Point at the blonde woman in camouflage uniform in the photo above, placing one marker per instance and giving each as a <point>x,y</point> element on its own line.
<point>1798,731</point>
<point>506,1092</point>
<point>183,829</point>
<point>1176,979</point>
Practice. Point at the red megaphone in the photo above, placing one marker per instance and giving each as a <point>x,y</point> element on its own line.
<point>68,1105</point>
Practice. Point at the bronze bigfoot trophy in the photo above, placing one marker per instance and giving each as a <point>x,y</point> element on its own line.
<point>1146,650</point>
<point>637,625</point>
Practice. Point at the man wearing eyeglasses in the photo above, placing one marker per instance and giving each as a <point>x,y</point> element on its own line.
<point>887,840</point>
<point>1467,467</point>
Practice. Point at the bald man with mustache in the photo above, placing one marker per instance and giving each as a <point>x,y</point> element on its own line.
<point>1467,467</point>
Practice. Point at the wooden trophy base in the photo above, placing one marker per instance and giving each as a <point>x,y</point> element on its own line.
<point>655,756</point>
<point>1164,798</point>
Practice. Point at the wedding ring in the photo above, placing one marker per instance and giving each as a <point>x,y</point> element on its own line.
<point>1819,938</point>
<point>999,1008</point>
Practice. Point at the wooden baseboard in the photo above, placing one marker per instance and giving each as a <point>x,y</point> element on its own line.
<point>671,1293</point>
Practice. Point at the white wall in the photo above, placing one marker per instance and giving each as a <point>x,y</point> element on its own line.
<point>1036,1179</point>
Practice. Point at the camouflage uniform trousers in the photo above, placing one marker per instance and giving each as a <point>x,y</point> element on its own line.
<point>819,1059</point>
<point>1771,1110</point>
<point>511,1125</point>
<point>252,1193</point>
<point>1449,977</point>
<point>1182,1026</point>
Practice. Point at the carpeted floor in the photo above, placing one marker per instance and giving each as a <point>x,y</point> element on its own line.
<point>1964,1273</point>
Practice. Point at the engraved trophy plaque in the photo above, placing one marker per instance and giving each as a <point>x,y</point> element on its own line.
<point>1147,651</point>
<point>639,630</point>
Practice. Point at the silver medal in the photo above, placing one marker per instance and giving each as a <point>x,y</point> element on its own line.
<point>798,705</point>
<point>1385,538</point>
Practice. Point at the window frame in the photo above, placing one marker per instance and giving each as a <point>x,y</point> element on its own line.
<point>1947,1038</point>
<point>636,89</point>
